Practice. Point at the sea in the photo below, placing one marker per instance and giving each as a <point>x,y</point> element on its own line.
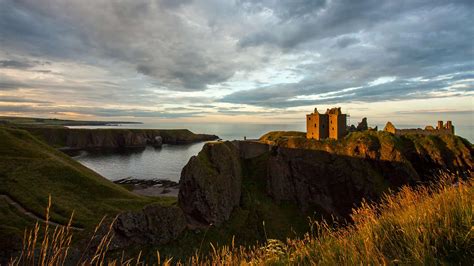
<point>168,161</point>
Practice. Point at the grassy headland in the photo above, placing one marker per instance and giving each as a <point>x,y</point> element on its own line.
<point>448,151</point>
<point>31,170</point>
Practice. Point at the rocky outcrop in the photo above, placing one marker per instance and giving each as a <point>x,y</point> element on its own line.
<point>157,141</point>
<point>362,125</point>
<point>210,184</point>
<point>154,225</point>
<point>335,176</point>
<point>389,127</point>
<point>102,139</point>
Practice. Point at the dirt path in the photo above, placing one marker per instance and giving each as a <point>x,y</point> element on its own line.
<point>24,211</point>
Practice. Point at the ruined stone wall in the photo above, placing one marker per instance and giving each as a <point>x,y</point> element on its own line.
<point>429,130</point>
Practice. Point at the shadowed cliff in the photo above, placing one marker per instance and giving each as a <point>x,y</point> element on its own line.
<point>99,139</point>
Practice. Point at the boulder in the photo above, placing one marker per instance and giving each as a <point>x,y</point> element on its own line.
<point>157,142</point>
<point>154,225</point>
<point>210,184</point>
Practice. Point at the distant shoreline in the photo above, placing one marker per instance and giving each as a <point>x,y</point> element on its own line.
<point>60,122</point>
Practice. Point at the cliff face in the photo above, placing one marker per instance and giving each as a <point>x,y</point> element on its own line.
<point>426,155</point>
<point>210,184</point>
<point>153,225</point>
<point>96,139</point>
<point>331,183</point>
<point>329,176</point>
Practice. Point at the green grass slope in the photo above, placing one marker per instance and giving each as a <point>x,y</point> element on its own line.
<point>31,170</point>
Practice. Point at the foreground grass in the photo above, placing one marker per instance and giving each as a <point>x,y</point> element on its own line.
<point>421,226</point>
<point>415,226</point>
<point>425,225</point>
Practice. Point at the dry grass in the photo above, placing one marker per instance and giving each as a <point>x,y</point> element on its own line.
<point>424,225</point>
<point>53,248</point>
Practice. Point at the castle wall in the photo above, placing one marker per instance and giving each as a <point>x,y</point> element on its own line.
<point>441,129</point>
<point>317,126</point>
<point>337,126</point>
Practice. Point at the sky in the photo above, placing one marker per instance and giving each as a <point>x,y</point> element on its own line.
<point>237,61</point>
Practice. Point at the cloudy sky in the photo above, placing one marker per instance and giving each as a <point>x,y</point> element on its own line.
<point>268,61</point>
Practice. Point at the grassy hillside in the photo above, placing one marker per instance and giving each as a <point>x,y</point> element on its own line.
<point>30,170</point>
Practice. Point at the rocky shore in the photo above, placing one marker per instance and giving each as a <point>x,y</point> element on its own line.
<point>150,187</point>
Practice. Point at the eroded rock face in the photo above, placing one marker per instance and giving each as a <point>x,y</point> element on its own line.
<point>333,183</point>
<point>210,184</point>
<point>154,225</point>
<point>336,176</point>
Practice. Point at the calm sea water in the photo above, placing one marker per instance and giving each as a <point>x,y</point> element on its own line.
<point>168,161</point>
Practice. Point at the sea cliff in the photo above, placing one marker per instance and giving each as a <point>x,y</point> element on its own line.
<point>98,139</point>
<point>329,176</point>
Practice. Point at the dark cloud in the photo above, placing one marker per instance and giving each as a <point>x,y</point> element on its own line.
<point>346,41</point>
<point>282,97</point>
<point>11,99</point>
<point>95,111</point>
<point>174,3</point>
<point>338,18</point>
<point>293,52</point>
<point>8,84</point>
<point>285,9</point>
<point>436,111</point>
<point>14,64</point>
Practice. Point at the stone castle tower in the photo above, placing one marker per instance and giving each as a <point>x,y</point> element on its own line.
<point>331,124</point>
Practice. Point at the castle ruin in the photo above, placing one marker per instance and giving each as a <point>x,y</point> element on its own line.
<point>441,129</point>
<point>331,124</point>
